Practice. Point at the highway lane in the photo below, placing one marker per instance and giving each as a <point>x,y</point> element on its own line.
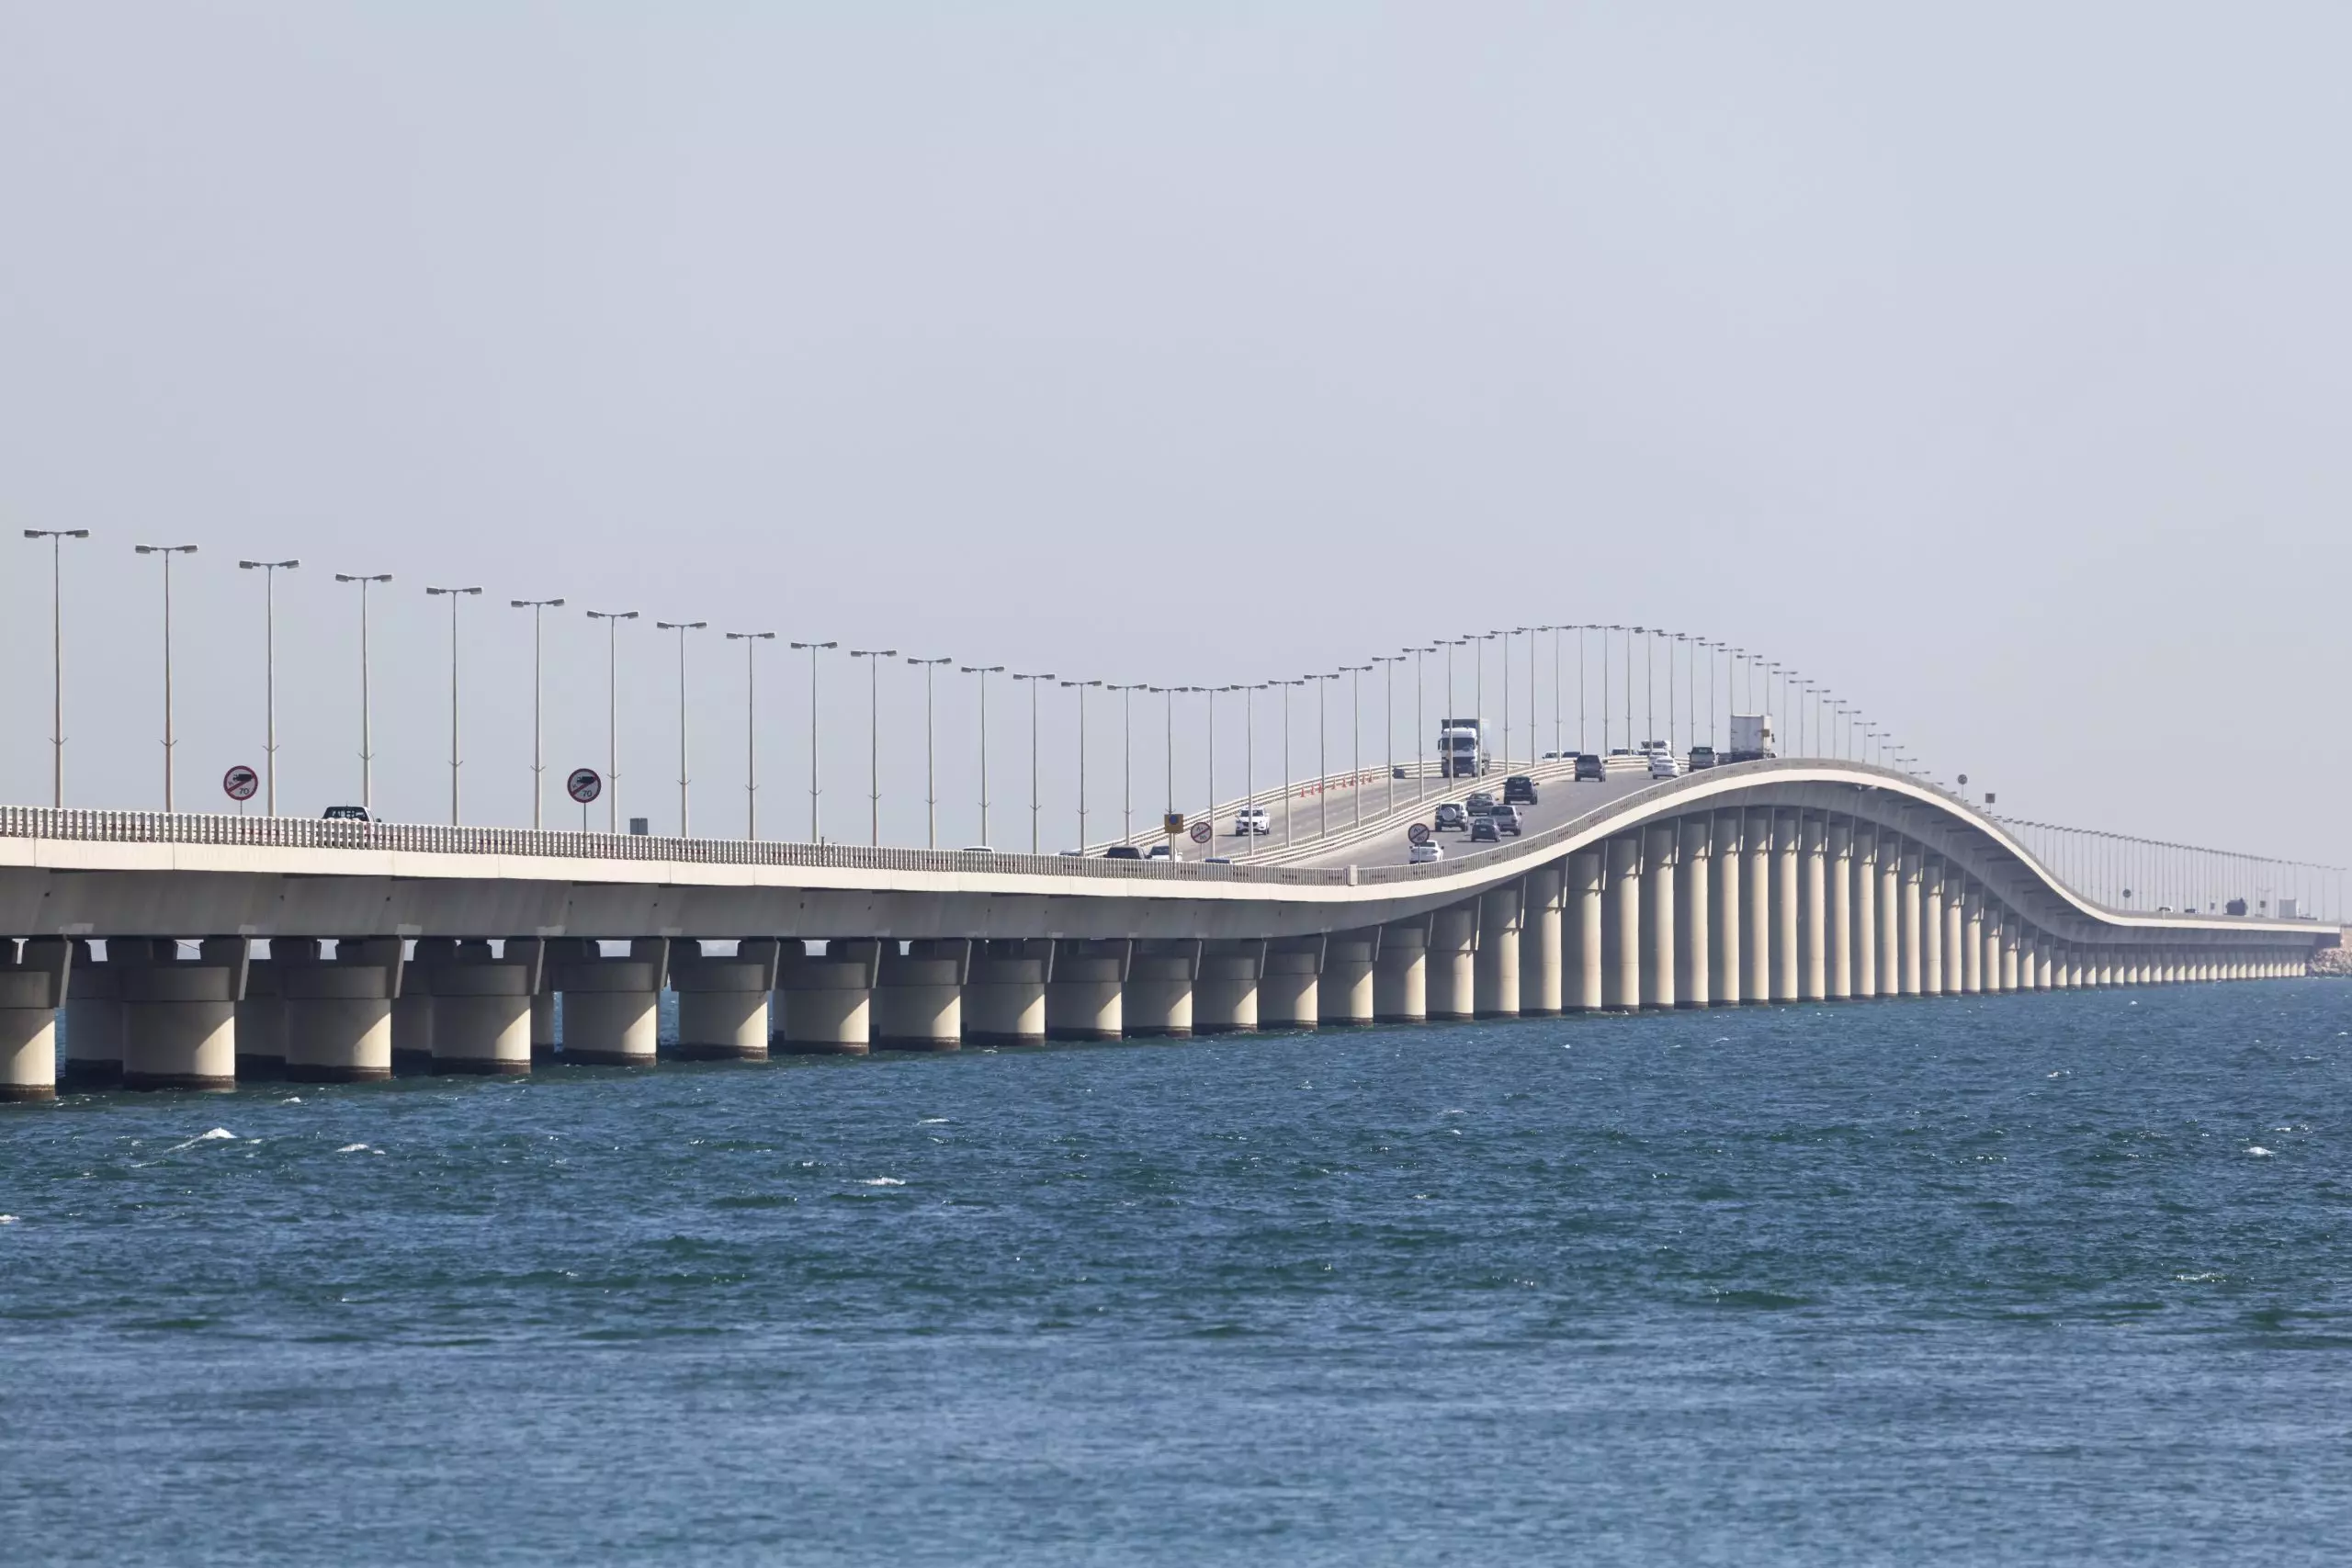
<point>1559,802</point>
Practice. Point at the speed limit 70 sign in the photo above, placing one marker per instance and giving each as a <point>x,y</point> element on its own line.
<point>240,783</point>
<point>583,785</point>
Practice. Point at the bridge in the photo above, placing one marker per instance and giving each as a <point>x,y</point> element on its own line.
<point>458,949</point>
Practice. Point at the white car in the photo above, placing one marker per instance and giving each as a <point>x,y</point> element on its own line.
<point>1663,765</point>
<point>1251,819</point>
<point>1422,854</point>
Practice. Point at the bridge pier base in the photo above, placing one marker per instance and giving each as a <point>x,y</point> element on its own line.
<point>723,1002</point>
<point>1086,994</point>
<point>1495,979</point>
<point>1290,987</point>
<point>1225,997</point>
<point>1931,926</point>
<point>179,1020</point>
<point>1755,928</point>
<point>1867,959</point>
<point>1452,975</point>
<point>1541,991</point>
<point>339,1014</point>
<point>1005,995</point>
<point>1157,1003</point>
<point>32,989</point>
<point>611,1005</point>
<point>1401,975</point>
<point>1694,873</point>
<point>829,998</point>
<point>1813,907</point>
<point>1344,990</point>
<point>1723,910</point>
<point>261,1015</point>
<point>413,1004</point>
<point>93,1016</point>
<point>1620,927</point>
<point>1837,910</point>
<point>919,996</point>
<point>1659,860</point>
<point>481,1009</point>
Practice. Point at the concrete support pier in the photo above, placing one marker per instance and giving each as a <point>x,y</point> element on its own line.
<point>1865,903</point>
<point>1345,990</point>
<point>1224,999</point>
<point>1542,991</point>
<point>1580,942</point>
<point>1085,997</point>
<point>413,1009</point>
<point>1661,857</point>
<point>1813,909</point>
<point>1931,926</point>
<point>93,1014</point>
<point>1290,990</point>
<point>1839,920</point>
<point>1723,910</point>
<point>1756,929</point>
<point>339,1014</point>
<point>261,1016</point>
<point>1157,1002</point>
<point>917,995</point>
<point>32,988</point>
<point>481,1008</point>
<point>1785,952</point>
<point>1400,977</point>
<point>1890,915</point>
<point>179,1018</point>
<point>1452,993</point>
<point>828,998</point>
<point>1693,914</point>
<point>1005,995</point>
<point>611,1005</point>
<point>724,1012</point>
<point>1495,970</point>
<point>1621,928</point>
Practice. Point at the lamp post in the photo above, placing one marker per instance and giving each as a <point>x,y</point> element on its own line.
<point>751,641</point>
<point>1080,687</point>
<point>1482,662</point>
<point>1445,719</point>
<point>167,552</point>
<point>1034,682</point>
<point>1420,773</point>
<point>453,595</point>
<point>1213,690</point>
<point>1355,786</point>
<point>1323,753</point>
<point>538,760</point>
<point>612,619</point>
<point>1127,747</point>
<point>682,628</point>
<point>1170,758</point>
<point>983,671</point>
<point>1604,688</point>
<point>57,537</point>
<point>816,834</point>
<point>1289,799</point>
<point>1388,721</point>
<point>929,755</point>
<point>269,570</point>
<point>1249,762</point>
<point>367,739</point>
<point>874,657</point>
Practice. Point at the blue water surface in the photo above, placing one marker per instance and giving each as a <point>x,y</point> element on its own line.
<point>2056,1277</point>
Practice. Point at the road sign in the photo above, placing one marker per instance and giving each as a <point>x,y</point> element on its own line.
<point>583,785</point>
<point>1201,830</point>
<point>240,783</point>
<point>1417,834</point>
<point>1175,821</point>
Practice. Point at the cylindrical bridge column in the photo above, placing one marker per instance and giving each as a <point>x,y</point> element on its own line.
<point>611,1005</point>
<point>1891,850</point>
<point>1005,995</point>
<point>339,1014</point>
<point>828,998</point>
<point>32,989</point>
<point>1865,909</point>
<point>1693,914</point>
<point>481,1008</point>
<point>1224,999</point>
<point>1400,978</point>
<point>1813,907</point>
<point>1580,940</point>
<point>1621,928</point>
<point>1838,918</point>
<point>1931,926</point>
<point>2009,940</point>
<point>1954,931</point>
<point>1343,992</point>
<point>1756,929</point>
<point>1157,1001</point>
<point>1724,908</point>
<point>94,1013</point>
<point>1290,988</point>
<point>1543,990</point>
<point>1085,997</point>
<point>723,1006</point>
<point>1995,943</point>
<point>2044,967</point>
<point>1786,953</point>
<point>1660,854</point>
<point>1972,946</point>
<point>1914,928</point>
<point>1453,952</point>
<point>261,1014</point>
<point>180,1019</point>
<point>1494,977</point>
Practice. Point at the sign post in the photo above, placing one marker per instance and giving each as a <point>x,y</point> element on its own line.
<point>583,785</point>
<point>239,784</point>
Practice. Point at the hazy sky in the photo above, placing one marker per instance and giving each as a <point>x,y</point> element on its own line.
<point>1990,364</point>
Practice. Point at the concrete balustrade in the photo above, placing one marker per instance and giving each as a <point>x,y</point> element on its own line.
<point>94,1013</point>
<point>1157,1003</point>
<point>1005,995</point>
<point>611,1005</point>
<point>1347,992</point>
<point>1401,975</point>
<point>917,995</point>
<point>827,999</point>
<point>33,983</point>
<point>339,1014</point>
<point>1225,997</point>
<point>179,1017</point>
<point>1495,980</point>
<point>1086,995</point>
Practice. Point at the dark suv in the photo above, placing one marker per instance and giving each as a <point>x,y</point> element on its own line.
<point>1479,802</point>
<point>1588,767</point>
<point>1483,831</point>
<point>1701,756</point>
<point>1519,790</point>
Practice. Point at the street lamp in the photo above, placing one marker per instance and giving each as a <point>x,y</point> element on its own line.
<point>1355,695</point>
<point>167,552</point>
<point>453,594</point>
<point>1127,747</point>
<point>1080,687</point>
<point>874,657</point>
<point>1388,721</point>
<point>538,760</point>
<point>815,837</point>
<point>1034,681</point>
<point>269,570</point>
<point>682,628</point>
<point>612,619</point>
<point>930,757</point>
<point>1420,773</point>
<point>367,739</point>
<point>1489,636</point>
<point>983,671</point>
<point>56,537</point>
<point>1290,799</point>
<point>1250,764</point>
<point>751,641</point>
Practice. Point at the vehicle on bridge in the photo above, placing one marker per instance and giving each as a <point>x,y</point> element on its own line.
<point>1506,819</point>
<point>1424,855</point>
<point>1701,756</point>
<point>1751,737</point>
<point>346,814</point>
<point>1519,790</point>
<point>1664,764</point>
<point>1123,851</point>
<point>1479,802</point>
<point>1590,768</point>
<point>1459,755</point>
<point>1450,817</point>
<point>1251,819</point>
<point>1483,831</point>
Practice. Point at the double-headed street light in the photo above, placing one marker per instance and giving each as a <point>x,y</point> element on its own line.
<point>751,641</point>
<point>983,671</point>
<point>874,657</point>
<point>367,735</point>
<point>612,619</point>
<point>56,537</point>
<point>269,570</point>
<point>930,756</point>
<point>1034,682</point>
<point>1080,687</point>
<point>1127,754</point>
<point>538,757</point>
<point>685,830</point>
<point>1355,786</point>
<point>815,835</point>
<point>167,552</point>
<point>453,594</point>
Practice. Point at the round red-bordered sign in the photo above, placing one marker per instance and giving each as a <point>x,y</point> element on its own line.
<point>240,783</point>
<point>584,784</point>
<point>1417,834</point>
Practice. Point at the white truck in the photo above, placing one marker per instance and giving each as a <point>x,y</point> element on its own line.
<point>1459,755</point>
<point>1751,737</point>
